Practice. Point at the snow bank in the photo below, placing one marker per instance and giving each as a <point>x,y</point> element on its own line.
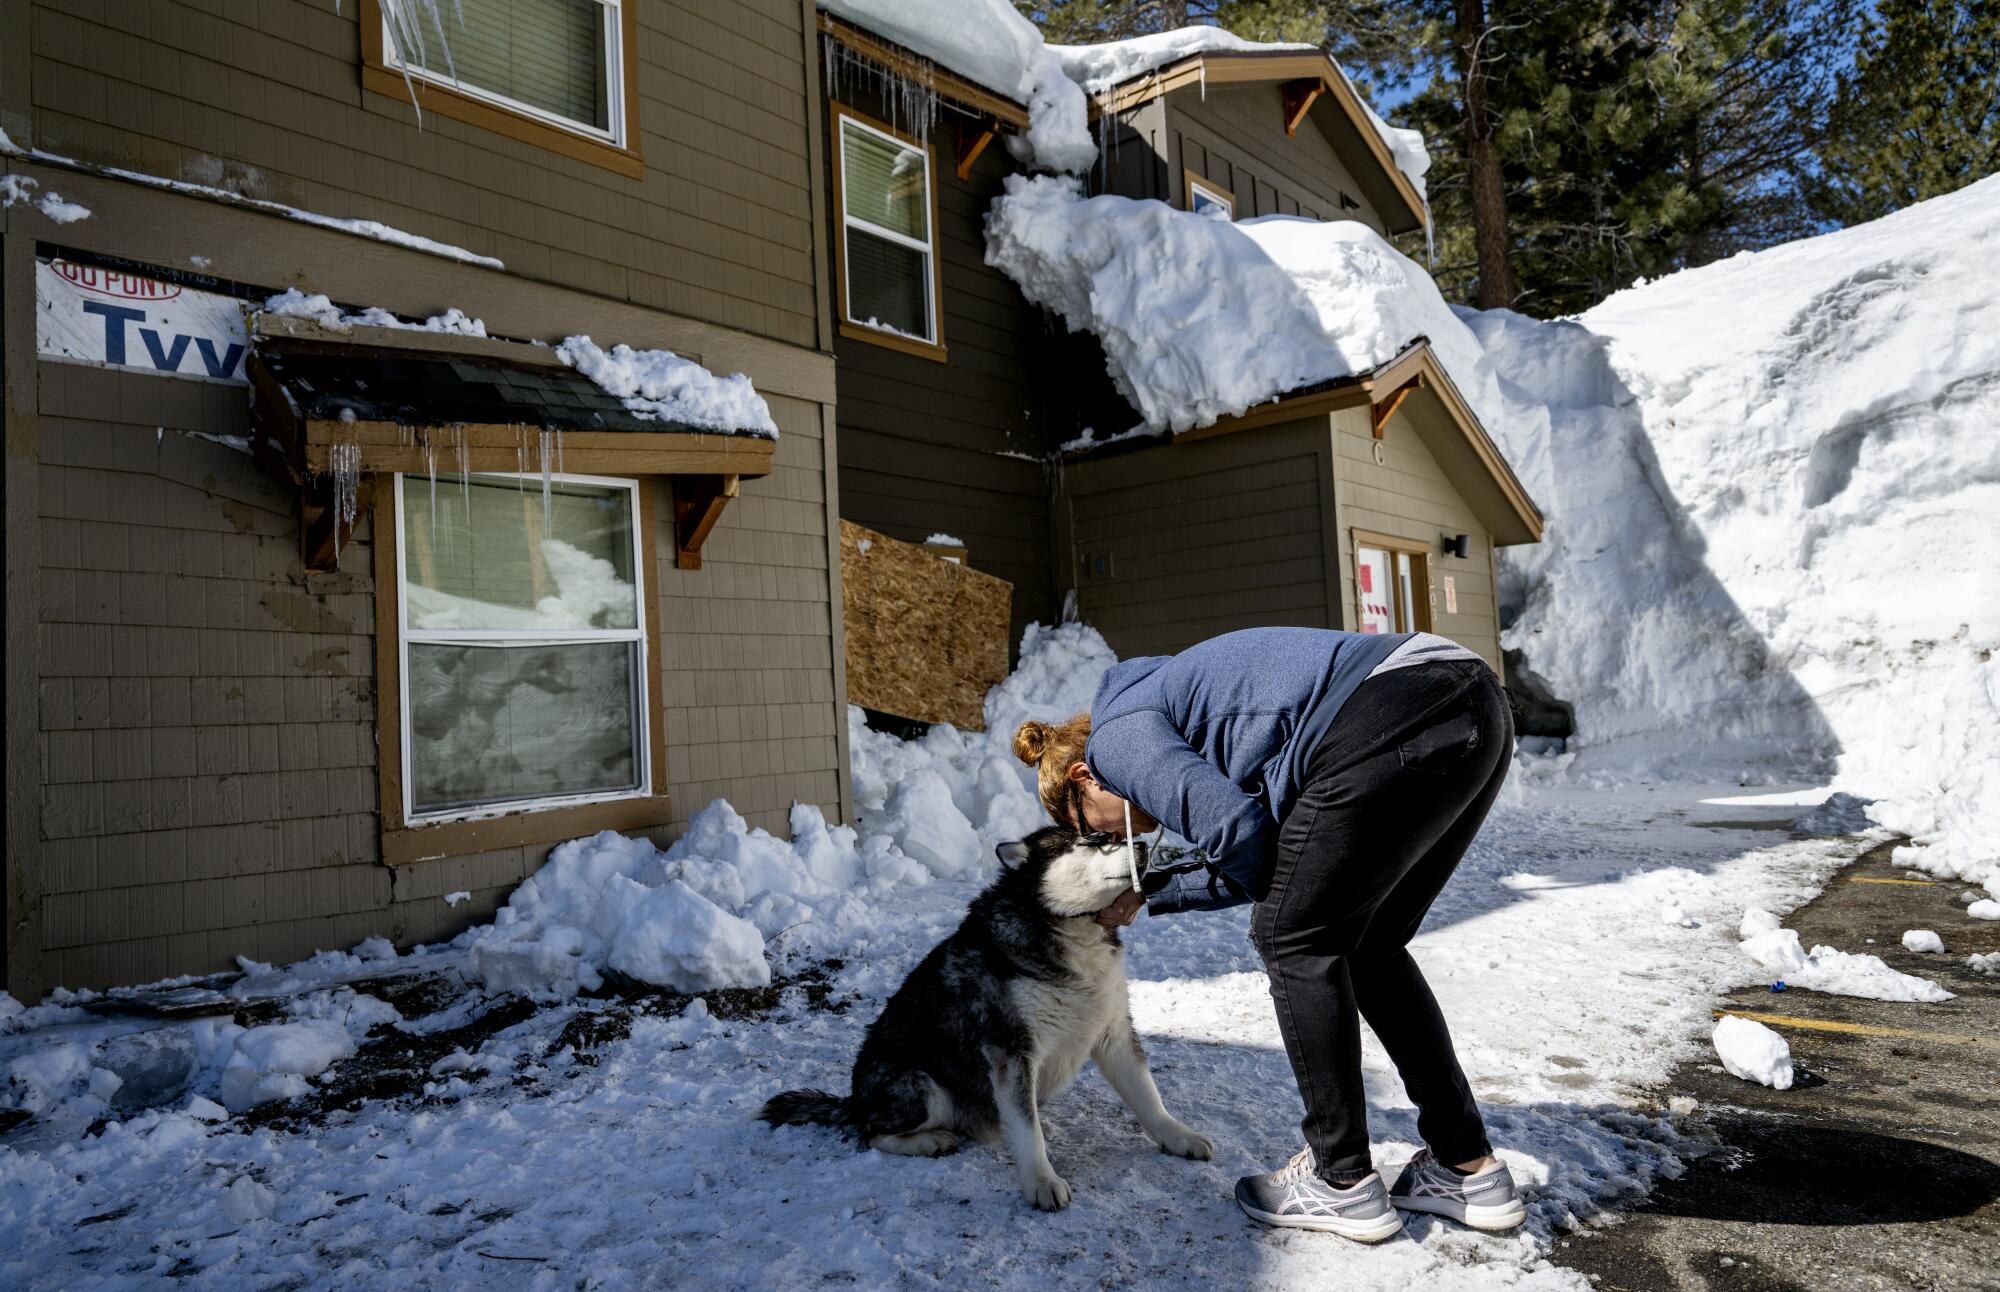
<point>1202,318</point>
<point>659,383</point>
<point>317,307</point>
<point>1098,68</point>
<point>1766,481</point>
<point>989,43</point>
<point>713,908</point>
<point>1754,1052</point>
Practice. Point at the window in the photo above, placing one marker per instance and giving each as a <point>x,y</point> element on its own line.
<point>1204,198</point>
<point>889,289</point>
<point>1391,585</point>
<point>522,644</point>
<point>551,72</point>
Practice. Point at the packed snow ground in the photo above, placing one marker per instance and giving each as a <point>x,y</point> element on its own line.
<point>650,1162</point>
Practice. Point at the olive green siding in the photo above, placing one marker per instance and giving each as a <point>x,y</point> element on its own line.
<point>1203,537</point>
<point>955,447</point>
<point>264,98</point>
<point>1408,496</point>
<point>1235,136</point>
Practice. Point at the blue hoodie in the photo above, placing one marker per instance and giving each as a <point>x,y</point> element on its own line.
<point>1214,742</point>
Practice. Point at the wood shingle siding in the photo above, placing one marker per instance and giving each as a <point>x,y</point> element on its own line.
<point>266,99</point>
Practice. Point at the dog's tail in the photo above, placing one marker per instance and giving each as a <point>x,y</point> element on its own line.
<point>807,1108</point>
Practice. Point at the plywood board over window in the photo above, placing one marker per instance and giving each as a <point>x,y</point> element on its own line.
<point>888,285</point>
<point>559,74</point>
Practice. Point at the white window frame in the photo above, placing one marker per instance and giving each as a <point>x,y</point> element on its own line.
<point>928,249</point>
<point>642,665</point>
<point>610,14</point>
<point>1198,190</point>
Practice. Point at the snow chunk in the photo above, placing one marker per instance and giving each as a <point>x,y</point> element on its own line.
<point>1201,319</point>
<point>1923,941</point>
<point>273,1062</point>
<point>1841,814</point>
<point>453,899</point>
<point>1984,909</point>
<point>1755,921</point>
<point>1753,1052</point>
<point>1988,964</point>
<point>16,189</point>
<point>659,383</point>
<point>294,303</point>
<point>246,1200</point>
<point>944,540</point>
<point>1837,973</point>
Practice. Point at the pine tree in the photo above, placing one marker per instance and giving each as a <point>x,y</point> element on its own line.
<point>1919,114</point>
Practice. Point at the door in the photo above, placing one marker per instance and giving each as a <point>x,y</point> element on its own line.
<point>1393,588</point>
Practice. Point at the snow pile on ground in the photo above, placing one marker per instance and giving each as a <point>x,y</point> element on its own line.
<point>1988,964</point>
<point>1923,942</point>
<point>990,43</point>
<point>1098,68</point>
<point>1838,973</point>
<point>714,907</point>
<point>1202,318</point>
<point>317,307</point>
<point>659,383</point>
<point>1985,908</point>
<point>1753,1052</point>
<point>1766,481</point>
<point>20,189</point>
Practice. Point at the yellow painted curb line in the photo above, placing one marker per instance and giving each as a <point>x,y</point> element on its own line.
<point>1857,1029</point>
<point>1870,879</point>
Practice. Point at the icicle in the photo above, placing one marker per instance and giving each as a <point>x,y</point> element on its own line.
<point>345,458</point>
<point>547,502</point>
<point>431,465</point>
<point>464,474</point>
<point>1204,80</point>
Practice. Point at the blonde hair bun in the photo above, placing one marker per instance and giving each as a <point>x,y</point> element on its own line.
<point>1030,740</point>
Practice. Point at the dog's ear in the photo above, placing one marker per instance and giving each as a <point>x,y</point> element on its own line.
<point>1011,854</point>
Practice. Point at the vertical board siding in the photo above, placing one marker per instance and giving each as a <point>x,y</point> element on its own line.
<point>1235,136</point>
<point>1204,538</point>
<point>267,102</point>
<point>1409,497</point>
<point>207,713</point>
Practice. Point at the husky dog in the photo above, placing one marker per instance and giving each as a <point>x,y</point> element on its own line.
<point>1000,1016</point>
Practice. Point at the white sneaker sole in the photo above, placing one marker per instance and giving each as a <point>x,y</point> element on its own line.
<point>1493,1218</point>
<point>1373,1230</point>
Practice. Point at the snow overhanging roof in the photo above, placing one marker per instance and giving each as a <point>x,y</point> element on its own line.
<point>1359,145</point>
<point>1415,385</point>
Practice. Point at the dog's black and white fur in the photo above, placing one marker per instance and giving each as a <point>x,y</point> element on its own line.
<point>998,1019</point>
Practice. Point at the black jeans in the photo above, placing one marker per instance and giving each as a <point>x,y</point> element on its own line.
<point>1391,800</point>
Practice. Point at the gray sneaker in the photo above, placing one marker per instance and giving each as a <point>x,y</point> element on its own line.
<point>1487,1200</point>
<point>1295,1197</point>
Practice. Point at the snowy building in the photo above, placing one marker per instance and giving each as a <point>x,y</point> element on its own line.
<point>1372,500</point>
<point>279,676</point>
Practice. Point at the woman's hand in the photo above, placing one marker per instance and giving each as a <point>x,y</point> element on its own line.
<point>1123,910</point>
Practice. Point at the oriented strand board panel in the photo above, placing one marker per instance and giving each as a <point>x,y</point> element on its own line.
<point>926,637</point>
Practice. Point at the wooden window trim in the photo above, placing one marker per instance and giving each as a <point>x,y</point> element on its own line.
<point>445,101</point>
<point>403,844</point>
<point>849,327</point>
<point>1190,178</point>
<point>1420,573</point>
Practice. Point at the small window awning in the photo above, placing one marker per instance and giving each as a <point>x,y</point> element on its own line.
<point>331,409</point>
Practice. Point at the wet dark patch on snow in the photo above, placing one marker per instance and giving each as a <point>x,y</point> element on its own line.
<point>396,1066</point>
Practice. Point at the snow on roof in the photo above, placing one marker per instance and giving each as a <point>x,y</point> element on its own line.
<point>1098,68</point>
<point>1201,318</point>
<point>660,383</point>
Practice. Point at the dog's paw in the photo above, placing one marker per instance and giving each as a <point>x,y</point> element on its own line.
<point>1049,1194</point>
<point>1192,1144</point>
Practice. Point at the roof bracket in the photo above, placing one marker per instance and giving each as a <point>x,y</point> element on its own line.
<point>1299,96</point>
<point>972,141</point>
<point>1385,408</point>
<point>698,504</point>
